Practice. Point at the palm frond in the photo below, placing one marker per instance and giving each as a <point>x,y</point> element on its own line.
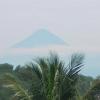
<point>14,84</point>
<point>71,76</point>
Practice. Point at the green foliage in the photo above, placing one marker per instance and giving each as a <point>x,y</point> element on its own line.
<point>47,79</point>
<point>15,84</point>
<point>94,92</point>
<point>84,84</point>
<point>6,68</point>
<point>4,92</point>
<point>55,81</point>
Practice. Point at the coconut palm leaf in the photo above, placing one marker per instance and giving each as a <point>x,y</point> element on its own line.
<point>71,76</point>
<point>15,84</point>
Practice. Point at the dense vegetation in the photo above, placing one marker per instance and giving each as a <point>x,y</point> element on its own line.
<point>48,79</point>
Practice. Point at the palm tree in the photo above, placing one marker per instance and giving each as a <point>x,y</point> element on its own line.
<point>52,80</point>
<point>55,81</point>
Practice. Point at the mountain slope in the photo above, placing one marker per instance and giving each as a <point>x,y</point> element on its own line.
<point>40,38</point>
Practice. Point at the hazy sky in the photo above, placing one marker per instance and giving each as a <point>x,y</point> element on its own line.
<point>76,21</point>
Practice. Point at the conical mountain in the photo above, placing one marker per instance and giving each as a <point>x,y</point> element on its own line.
<point>40,38</point>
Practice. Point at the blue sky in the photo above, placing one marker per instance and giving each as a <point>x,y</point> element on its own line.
<point>75,21</point>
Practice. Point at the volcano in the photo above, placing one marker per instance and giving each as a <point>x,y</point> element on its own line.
<point>41,38</point>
